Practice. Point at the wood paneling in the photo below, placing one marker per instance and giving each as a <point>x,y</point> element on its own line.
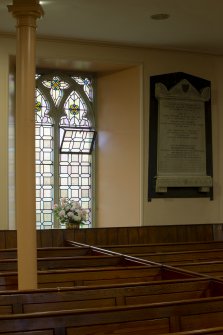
<point>120,235</point>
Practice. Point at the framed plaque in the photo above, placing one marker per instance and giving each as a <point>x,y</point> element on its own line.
<point>180,138</point>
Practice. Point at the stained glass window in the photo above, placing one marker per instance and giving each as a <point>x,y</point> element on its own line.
<point>65,133</point>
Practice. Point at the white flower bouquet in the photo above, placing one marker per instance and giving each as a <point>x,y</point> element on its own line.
<point>70,213</point>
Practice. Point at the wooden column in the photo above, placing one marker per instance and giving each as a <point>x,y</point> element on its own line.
<point>26,14</point>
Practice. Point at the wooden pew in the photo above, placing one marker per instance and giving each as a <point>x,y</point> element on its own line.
<point>64,252</point>
<point>178,259</point>
<point>74,262</point>
<point>50,252</point>
<point>157,318</point>
<point>160,284</point>
<point>212,268</point>
<point>103,276</point>
<point>75,249</point>
<point>174,258</point>
<point>161,247</point>
<point>105,268</point>
<point>98,276</point>
<point>107,295</point>
<point>206,331</point>
<point>76,256</point>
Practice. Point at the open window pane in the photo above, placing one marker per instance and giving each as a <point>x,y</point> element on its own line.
<point>77,140</point>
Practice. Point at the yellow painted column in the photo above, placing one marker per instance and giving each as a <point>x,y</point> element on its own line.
<point>26,14</point>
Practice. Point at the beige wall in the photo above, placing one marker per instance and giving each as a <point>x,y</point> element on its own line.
<point>120,71</point>
<point>118,150</point>
<point>4,141</point>
<point>7,48</point>
<point>195,210</point>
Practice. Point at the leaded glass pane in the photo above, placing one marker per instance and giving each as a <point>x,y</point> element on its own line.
<point>78,117</point>
<point>74,184</point>
<point>59,103</point>
<point>44,162</point>
<point>87,85</point>
<point>57,87</point>
<point>41,109</point>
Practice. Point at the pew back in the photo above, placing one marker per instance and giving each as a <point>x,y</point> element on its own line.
<point>162,247</point>
<point>158,318</point>
<point>50,252</point>
<point>74,262</point>
<point>108,295</point>
<point>212,268</point>
<point>174,258</point>
<point>98,276</point>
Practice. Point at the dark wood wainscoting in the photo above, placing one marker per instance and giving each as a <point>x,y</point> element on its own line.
<point>121,235</point>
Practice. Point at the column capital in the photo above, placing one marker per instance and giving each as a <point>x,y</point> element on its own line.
<point>24,12</point>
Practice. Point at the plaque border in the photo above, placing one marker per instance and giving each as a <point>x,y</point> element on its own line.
<point>170,80</point>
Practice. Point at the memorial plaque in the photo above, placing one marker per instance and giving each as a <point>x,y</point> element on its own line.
<point>181,137</point>
<point>181,156</point>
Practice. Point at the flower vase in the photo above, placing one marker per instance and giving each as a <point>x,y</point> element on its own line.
<point>72,225</point>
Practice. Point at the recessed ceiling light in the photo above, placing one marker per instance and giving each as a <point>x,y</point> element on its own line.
<point>160,16</point>
<point>45,2</point>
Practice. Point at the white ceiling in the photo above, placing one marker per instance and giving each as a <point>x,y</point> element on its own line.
<point>194,25</point>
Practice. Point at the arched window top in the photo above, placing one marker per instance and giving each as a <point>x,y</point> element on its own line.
<point>76,112</point>
<point>69,98</point>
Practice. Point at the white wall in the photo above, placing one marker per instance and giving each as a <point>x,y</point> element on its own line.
<point>105,58</point>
